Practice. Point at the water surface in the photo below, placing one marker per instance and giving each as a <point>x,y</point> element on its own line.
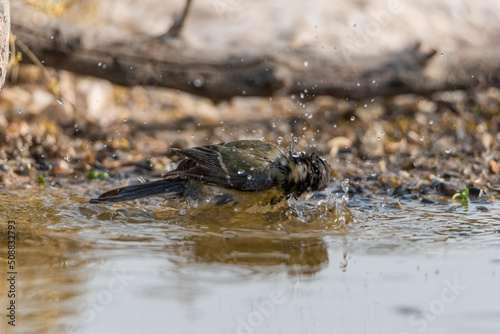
<point>381,266</point>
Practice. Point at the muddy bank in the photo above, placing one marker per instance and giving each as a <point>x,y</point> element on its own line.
<point>402,145</point>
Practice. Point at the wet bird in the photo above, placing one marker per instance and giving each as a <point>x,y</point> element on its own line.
<point>245,171</point>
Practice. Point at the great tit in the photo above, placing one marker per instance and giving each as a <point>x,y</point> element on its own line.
<point>245,171</point>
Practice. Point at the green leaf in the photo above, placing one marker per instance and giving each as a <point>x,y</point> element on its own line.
<point>461,197</point>
<point>103,175</point>
<point>92,175</point>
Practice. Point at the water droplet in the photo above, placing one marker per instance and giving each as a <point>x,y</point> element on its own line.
<point>422,138</point>
<point>353,118</point>
<point>301,95</point>
<point>295,139</point>
<point>345,188</point>
<point>252,169</point>
<point>198,83</point>
<point>279,140</point>
<point>442,54</point>
<point>431,122</point>
<point>447,151</point>
<point>358,84</point>
<point>306,63</point>
<point>60,100</point>
<point>354,25</point>
<point>274,125</point>
<point>295,155</point>
<point>241,171</point>
<point>249,177</point>
<point>125,120</point>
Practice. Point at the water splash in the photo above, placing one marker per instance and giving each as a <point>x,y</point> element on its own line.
<point>345,188</point>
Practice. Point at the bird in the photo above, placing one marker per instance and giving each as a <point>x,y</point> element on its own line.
<point>239,172</point>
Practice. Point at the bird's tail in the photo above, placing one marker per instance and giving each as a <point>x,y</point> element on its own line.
<point>170,187</point>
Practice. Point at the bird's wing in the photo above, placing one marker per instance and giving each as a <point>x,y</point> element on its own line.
<point>233,166</point>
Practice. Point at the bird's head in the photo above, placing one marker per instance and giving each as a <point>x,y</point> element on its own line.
<point>308,173</point>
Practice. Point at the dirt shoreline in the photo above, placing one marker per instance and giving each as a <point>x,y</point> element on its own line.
<point>445,142</point>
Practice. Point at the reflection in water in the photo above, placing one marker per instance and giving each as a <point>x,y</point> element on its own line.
<point>272,236</point>
<point>299,255</point>
<point>63,240</point>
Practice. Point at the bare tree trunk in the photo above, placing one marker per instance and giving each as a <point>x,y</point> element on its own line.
<point>4,39</point>
<point>220,75</point>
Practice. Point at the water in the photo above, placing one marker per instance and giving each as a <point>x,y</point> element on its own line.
<point>381,266</point>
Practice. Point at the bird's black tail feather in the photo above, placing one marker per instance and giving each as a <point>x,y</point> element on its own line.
<point>169,187</point>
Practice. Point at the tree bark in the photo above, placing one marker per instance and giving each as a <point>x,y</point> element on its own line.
<point>4,39</point>
<point>221,75</point>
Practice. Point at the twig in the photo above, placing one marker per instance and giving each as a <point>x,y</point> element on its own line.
<point>178,24</point>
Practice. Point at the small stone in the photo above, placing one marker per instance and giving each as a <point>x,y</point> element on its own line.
<point>10,178</point>
<point>494,167</point>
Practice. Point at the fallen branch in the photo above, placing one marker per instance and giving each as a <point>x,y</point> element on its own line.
<point>221,75</point>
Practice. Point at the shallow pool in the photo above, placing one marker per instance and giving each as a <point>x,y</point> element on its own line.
<point>379,266</point>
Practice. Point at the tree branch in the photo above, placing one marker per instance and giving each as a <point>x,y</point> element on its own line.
<point>176,28</point>
<point>221,75</point>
